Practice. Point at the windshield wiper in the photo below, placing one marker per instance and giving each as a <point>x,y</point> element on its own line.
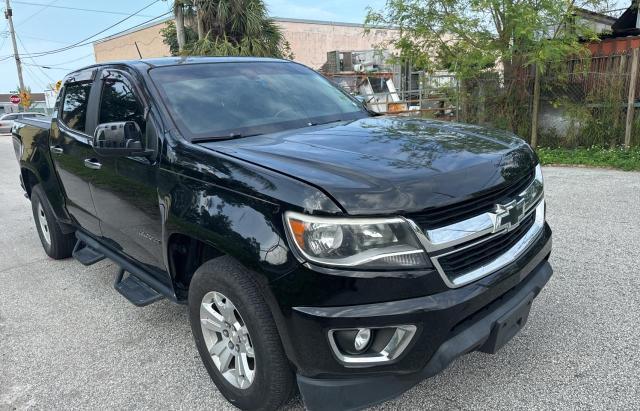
<point>232,136</point>
<point>311,124</point>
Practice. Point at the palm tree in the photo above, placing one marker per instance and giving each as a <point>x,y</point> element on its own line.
<point>178,12</point>
<point>227,27</point>
<point>183,10</point>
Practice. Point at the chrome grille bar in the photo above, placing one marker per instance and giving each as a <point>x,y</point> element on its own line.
<point>502,261</point>
<point>440,242</point>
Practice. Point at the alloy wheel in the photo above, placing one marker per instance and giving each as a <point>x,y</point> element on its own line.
<point>227,339</point>
<point>44,225</point>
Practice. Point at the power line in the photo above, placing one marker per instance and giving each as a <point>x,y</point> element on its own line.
<point>4,38</point>
<point>57,65</point>
<point>35,78</point>
<point>49,67</point>
<point>31,58</point>
<point>92,41</point>
<point>43,39</point>
<point>80,42</point>
<point>44,7</point>
<point>69,61</point>
<point>77,8</point>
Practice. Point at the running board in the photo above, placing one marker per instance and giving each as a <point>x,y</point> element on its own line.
<point>140,286</point>
<point>85,254</point>
<point>136,291</point>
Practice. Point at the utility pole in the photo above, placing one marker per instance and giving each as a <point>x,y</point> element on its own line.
<point>8,15</point>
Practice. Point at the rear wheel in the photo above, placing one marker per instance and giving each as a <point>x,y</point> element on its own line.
<point>56,244</point>
<point>237,338</point>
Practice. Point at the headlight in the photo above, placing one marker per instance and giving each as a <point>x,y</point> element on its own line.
<point>535,191</point>
<point>370,243</point>
<point>539,176</point>
<point>539,179</point>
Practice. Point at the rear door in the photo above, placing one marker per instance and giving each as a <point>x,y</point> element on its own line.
<point>71,151</point>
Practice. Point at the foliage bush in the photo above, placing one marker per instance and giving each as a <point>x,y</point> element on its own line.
<point>595,156</point>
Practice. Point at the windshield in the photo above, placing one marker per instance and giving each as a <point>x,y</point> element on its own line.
<point>223,100</point>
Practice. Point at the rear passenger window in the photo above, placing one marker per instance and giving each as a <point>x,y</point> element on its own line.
<point>74,106</point>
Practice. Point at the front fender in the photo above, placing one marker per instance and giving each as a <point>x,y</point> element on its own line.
<point>250,230</point>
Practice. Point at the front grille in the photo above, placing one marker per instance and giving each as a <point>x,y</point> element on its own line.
<point>481,203</point>
<point>468,259</point>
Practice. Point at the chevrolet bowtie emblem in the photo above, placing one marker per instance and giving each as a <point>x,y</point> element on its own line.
<point>508,216</point>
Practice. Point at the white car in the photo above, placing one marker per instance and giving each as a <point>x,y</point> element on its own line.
<point>6,120</point>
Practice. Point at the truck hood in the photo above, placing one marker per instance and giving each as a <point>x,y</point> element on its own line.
<point>381,165</point>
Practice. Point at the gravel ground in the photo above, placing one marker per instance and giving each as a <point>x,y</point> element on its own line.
<point>69,340</point>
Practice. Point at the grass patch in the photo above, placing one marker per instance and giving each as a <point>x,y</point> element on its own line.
<point>617,157</point>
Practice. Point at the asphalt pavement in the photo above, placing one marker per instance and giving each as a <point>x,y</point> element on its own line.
<point>68,340</point>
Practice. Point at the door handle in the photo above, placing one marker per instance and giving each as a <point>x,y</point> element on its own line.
<point>92,163</point>
<point>57,150</point>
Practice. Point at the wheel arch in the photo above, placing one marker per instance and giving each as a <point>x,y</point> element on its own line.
<point>185,254</point>
<point>183,266</point>
<point>29,179</point>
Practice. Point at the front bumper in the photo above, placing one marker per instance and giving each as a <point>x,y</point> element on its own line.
<point>450,323</point>
<point>473,334</point>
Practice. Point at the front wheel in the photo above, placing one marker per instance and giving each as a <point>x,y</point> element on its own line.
<point>56,244</point>
<point>237,338</point>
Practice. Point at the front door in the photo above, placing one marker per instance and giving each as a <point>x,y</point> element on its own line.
<point>72,153</point>
<point>125,192</point>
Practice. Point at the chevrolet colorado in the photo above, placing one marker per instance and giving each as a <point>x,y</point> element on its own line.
<point>318,246</point>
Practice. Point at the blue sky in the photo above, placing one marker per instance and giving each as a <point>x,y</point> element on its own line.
<point>41,28</point>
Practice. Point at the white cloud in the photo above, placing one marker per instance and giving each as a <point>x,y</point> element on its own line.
<point>288,8</point>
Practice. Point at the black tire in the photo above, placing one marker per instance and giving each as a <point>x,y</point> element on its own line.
<point>273,384</point>
<point>59,245</point>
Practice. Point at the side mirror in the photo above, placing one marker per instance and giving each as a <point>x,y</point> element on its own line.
<point>122,138</point>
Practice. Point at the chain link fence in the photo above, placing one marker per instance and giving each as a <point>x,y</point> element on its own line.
<point>583,110</point>
<point>499,103</point>
<point>581,102</point>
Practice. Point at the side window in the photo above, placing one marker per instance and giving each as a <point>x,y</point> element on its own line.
<point>118,103</point>
<point>56,106</point>
<point>74,106</point>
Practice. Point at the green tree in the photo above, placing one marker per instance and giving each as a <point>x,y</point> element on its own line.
<point>224,27</point>
<point>170,37</point>
<point>471,36</point>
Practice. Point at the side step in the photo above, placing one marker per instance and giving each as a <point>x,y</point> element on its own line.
<point>85,254</point>
<point>139,286</point>
<point>134,290</point>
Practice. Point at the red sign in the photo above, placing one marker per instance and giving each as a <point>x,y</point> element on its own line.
<point>14,99</point>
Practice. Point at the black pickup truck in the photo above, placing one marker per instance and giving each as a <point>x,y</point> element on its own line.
<point>318,246</point>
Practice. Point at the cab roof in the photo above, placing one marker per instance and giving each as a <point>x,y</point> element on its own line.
<point>145,64</point>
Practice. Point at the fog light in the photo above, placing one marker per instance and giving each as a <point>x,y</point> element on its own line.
<point>355,341</point>
<point>366,347</point>
<point>362,339</point>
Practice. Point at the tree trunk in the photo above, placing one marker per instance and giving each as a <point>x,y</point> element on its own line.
<point>200,25</point>
<point>179,14</point>
<point>535,108</point>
